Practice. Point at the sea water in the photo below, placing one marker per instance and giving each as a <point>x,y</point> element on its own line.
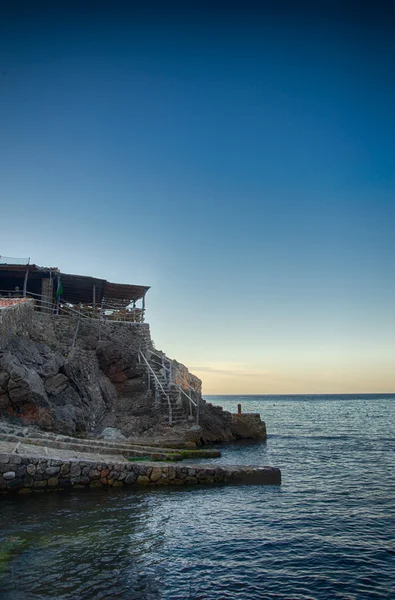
<point>327,532</point>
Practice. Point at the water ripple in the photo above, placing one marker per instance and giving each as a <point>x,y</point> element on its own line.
<point>326,533</point>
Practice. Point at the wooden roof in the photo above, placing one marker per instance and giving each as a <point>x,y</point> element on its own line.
<point>80,288</point>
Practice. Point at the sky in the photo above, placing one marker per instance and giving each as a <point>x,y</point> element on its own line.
<point>239,158</point>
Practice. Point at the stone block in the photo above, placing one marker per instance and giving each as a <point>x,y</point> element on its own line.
<point>80,480</point>
<point>190,480</point>
<point>143,480</point>
<point>53,481</point>
<point>156,474</point>
<point>9,476</point>
<point>162,481</point>
<point>94,474</point>
<point>52,471</point>
<point>40,484</point>
<point>75,470</point>
<point>31,469</point>
<point>131,478</point>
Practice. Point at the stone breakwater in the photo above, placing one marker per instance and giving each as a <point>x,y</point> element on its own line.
<point>26,474</point>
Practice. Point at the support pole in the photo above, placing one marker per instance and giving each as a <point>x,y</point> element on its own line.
<point>100,318</point>
<point>76,332</point>
<point>25,282</point>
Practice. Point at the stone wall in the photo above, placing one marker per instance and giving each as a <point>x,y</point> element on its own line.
<point>28,474</point>
<point>59,332</point>
<point>15,318</point>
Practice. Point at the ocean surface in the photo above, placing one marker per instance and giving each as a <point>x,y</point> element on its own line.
<point>327,532</point>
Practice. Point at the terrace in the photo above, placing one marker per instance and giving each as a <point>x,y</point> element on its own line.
<point>57,292</point>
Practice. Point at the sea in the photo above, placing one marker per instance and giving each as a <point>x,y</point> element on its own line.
<point>327,532</point>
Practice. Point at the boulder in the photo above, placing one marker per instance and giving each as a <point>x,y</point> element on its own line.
<point>56,384</point>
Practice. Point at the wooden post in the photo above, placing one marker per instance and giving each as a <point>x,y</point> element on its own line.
<point>197,409</point>
<point>94,298</point>
<point>100,318</point>
<point>25,282</point>
<point>239,409</point>
<point>76,332</point>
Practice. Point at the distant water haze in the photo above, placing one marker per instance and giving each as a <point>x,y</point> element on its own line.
<point>237,378</point>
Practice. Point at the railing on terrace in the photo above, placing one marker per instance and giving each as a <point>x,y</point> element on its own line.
<point>104,312</point>
<point>8,260</point>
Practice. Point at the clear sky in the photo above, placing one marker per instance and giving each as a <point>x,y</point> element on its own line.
<point>239,160</point>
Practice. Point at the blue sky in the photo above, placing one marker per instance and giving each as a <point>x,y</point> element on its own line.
<point>242,163</point>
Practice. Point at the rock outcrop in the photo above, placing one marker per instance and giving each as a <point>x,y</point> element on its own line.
<point>84,385</point>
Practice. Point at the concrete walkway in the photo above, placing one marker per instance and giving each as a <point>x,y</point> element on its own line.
<point>25,468</point>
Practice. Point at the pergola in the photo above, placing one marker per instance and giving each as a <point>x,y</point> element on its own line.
<point>81,290</point>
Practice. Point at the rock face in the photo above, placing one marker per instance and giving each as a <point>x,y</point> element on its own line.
<point>96,387</point>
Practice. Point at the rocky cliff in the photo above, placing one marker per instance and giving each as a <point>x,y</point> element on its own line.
<point>81,378</point>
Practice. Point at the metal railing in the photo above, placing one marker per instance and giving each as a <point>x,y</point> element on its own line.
<point>157,381</point>
<point>8,260</point>
<point>165,359</point>
<point>105,312</point>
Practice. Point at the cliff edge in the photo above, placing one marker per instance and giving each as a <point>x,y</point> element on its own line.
<point>82,377</point>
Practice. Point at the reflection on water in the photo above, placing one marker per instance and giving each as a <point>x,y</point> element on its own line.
<point>327,532</point>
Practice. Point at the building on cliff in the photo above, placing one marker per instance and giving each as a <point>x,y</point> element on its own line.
<point>51,287</point>
<point>76,358</point>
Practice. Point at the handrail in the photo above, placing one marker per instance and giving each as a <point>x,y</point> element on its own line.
<point>186,395</point>
<point>131,316</point>
<point>166,358</point>
<point>160,385</point>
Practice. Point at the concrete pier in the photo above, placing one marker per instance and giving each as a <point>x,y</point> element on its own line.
<point>27,468</point>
